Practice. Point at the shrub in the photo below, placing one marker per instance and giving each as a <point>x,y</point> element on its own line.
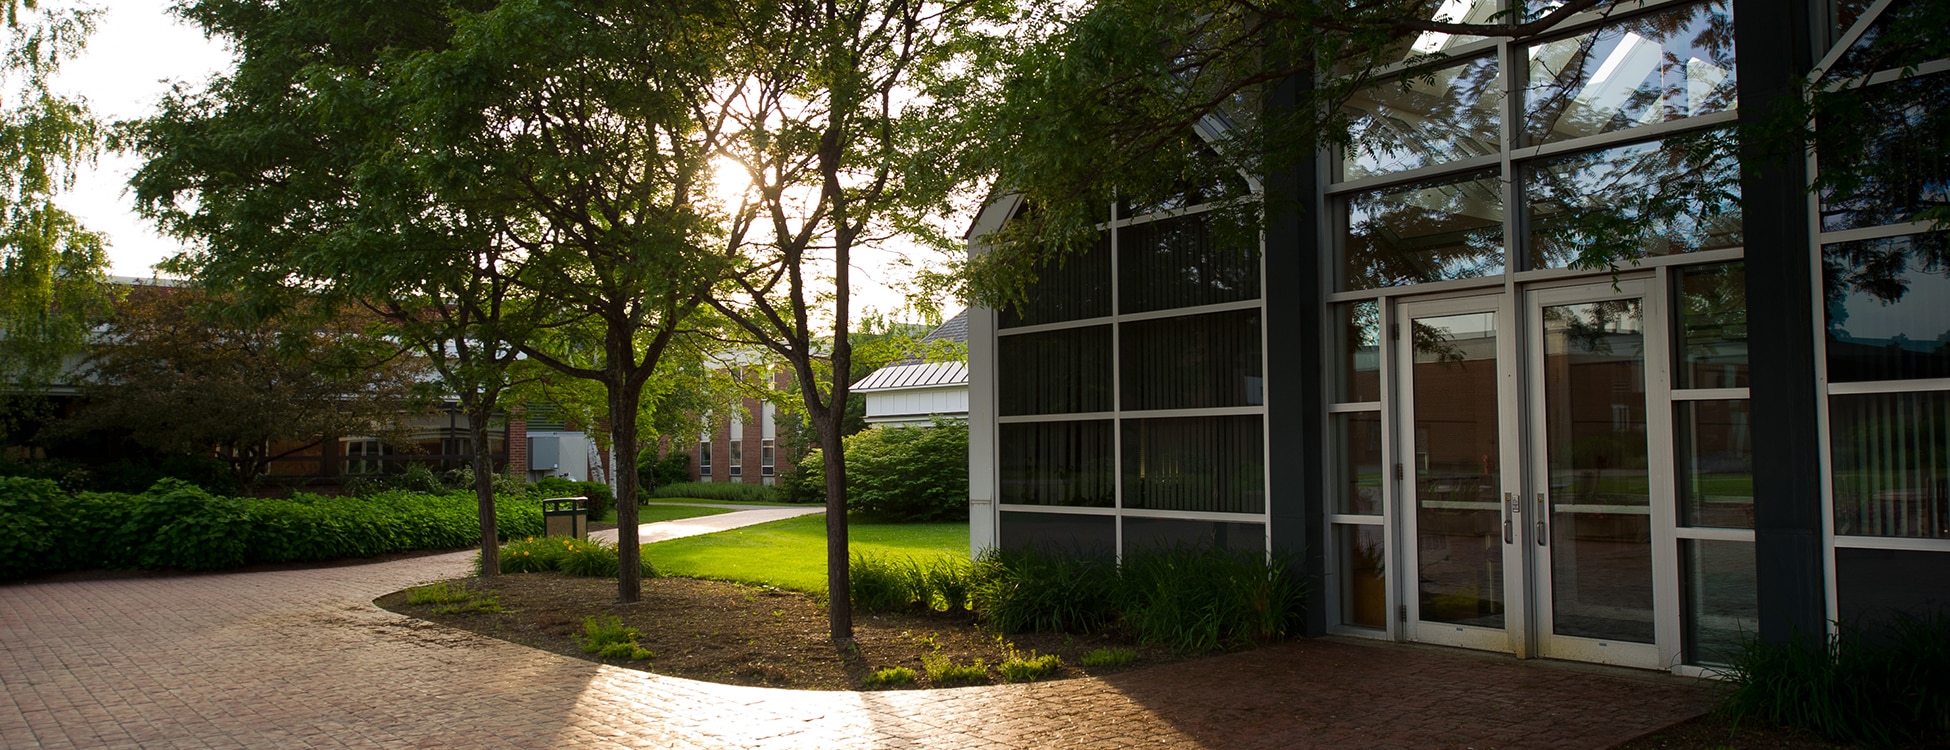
<point>737,492</point>
<point>577,557</point>
<point>1018,668</point>
<point>1109,657</point>
<point>600,499</point>
<point>609,638</point>
<point>1881,685</point>
<point>419,478</point>
<point>653,472</point>
<point>883,584</point>
<point>1032,590</point>
<point>890,677</point>
<point>25,507</point>
<point>895,473</point>
<point>1204,599</point>
<point>187,528</point>
<point>454,598</point>
<point>944,672</point>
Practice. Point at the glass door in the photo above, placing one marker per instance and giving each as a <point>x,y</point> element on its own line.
<point>1460,543</point>
<point>1592,520</point>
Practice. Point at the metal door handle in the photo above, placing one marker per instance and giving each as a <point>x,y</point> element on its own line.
<point>1509,506</point>
<point>1543,530</point>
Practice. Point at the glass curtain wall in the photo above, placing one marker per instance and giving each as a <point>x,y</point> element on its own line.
<point>1130,392</point>
<point>1885,288</point>
<point>1607,144</point>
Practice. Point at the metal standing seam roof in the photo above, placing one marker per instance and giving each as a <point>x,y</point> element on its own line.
<point>924,375</point>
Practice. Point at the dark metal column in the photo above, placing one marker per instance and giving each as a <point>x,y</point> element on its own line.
<point>1774,58</point>
<point>1293,368</point>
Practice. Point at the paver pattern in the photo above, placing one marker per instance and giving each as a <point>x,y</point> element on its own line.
<point>302,659</point>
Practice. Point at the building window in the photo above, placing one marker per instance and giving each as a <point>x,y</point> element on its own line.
<point>704,460</point>
<point>737,457</point>
<point>767,456</point>
<point>365,456</point>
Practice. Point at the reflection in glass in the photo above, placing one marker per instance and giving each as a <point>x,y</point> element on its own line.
<point>1605,208</point>
<point>1062,533</point>
<point>1600,500</point>
<point>1905,32</point>
<point>1431,231</point>
<point>1426,118</point>
<point>1356,447</point>
<point>1192,362</point>
<point>1876,586</point>
<point>1053,372</point>
<point>1177,263</point>
<point>1712,327</point>
<point>1458,514</point>
<point>1714,446</point>
<point>1892,464</point>
<point>1357,350</point>
<point>1070,288</point>
<point>1364,570</point>
<point>1651,69</point>
<point>1889,157</point>
<point>1214,464</point>
<point>1432,42</point>
<point>1160,534</point>
<point>1056,463</point>
<point>1888,306</point>
<point>1722,607</point>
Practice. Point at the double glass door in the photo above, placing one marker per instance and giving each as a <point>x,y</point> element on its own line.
<point>1525,473</point>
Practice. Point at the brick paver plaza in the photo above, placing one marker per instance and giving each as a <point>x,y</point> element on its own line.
<point>301,658</point>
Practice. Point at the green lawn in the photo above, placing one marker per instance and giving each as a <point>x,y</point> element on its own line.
<point>791,554</point>
<point>690,500</point>
<point>655,513</point>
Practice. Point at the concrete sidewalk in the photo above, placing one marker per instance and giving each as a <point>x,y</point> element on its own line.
<point>667,530</point>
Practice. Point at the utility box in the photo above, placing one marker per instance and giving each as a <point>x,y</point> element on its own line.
<point>544,453</point>
<point>566,516</point>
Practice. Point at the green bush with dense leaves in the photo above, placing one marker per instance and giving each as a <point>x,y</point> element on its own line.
<point>734,492</point>
<point>577,557</point>
<point>1880,685</point>
<point>601,500</point>
<point>894,473</point>
<point>177,525</point>
<point>653,472</point>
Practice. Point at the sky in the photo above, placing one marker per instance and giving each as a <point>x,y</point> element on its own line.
<point>137,51</point>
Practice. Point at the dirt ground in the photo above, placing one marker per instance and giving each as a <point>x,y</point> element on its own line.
<point>744,635</point>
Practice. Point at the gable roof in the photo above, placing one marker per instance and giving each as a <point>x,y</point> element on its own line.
<point>914,372</point>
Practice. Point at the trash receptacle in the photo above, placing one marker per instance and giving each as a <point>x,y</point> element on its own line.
<point>565,516</point>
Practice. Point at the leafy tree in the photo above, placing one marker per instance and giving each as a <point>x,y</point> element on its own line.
<point>834,160</point>
<point>53,285</point>
<point>179,373</point>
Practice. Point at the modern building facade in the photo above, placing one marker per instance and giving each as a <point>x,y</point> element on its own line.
<point>1414,389</point>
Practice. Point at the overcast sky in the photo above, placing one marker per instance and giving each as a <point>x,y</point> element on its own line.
<point>138,50</point>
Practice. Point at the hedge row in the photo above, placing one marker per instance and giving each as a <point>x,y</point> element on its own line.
<point>177,525</point>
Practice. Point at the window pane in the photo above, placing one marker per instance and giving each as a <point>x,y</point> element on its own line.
<point>1153,534</point>
<point>1089,536</point>
<point>1363,569</point>
<point>1716,463</point>
<point>1431,231</point>
<point>1179,263</point>
<point>1876,585</point>
<point>1888,308</point>
<point>1889,161</point>
<point>1891,460</point>
<point>1356,446</point>
<point>1431,42</point>
<point>1679,195</point>
<point>1053,372</point>
<point>1651,69</point>
<point>1712,324</point>
<point>1195,463</point>
<point>1441,116</point>
<point>1056,463</point>
<point>1722,607</point>
<point>1192,362</point>
<point>1907,31</point>
<point>1357,349</point>
<point>1071,288</point>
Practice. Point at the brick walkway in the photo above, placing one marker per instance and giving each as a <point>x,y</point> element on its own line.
<point>302,659</point>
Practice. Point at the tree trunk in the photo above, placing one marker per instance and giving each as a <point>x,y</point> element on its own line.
<point>622,435</point>
<point>839,599</point>
<point>483,461</point>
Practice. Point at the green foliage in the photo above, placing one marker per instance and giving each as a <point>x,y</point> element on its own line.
<point>653,472</point>
<point>601,500</point>
<point>609,638</point>
<point>591,558</point>
<point>888,583</point>
<point>735,492</point>
<point>1019,668</point>
<point>895,473</point>
<point>1109,657</point>
<point>944,672</point>
<point>889,677</point>
<point>1192,600</point>
<point>454,598</point>
<point>177,525</point>
<point>1878,686</point>
<point>791,554</point>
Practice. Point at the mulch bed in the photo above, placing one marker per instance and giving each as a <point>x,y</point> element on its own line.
<point>745,635</point>
<point>1717,732</point>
